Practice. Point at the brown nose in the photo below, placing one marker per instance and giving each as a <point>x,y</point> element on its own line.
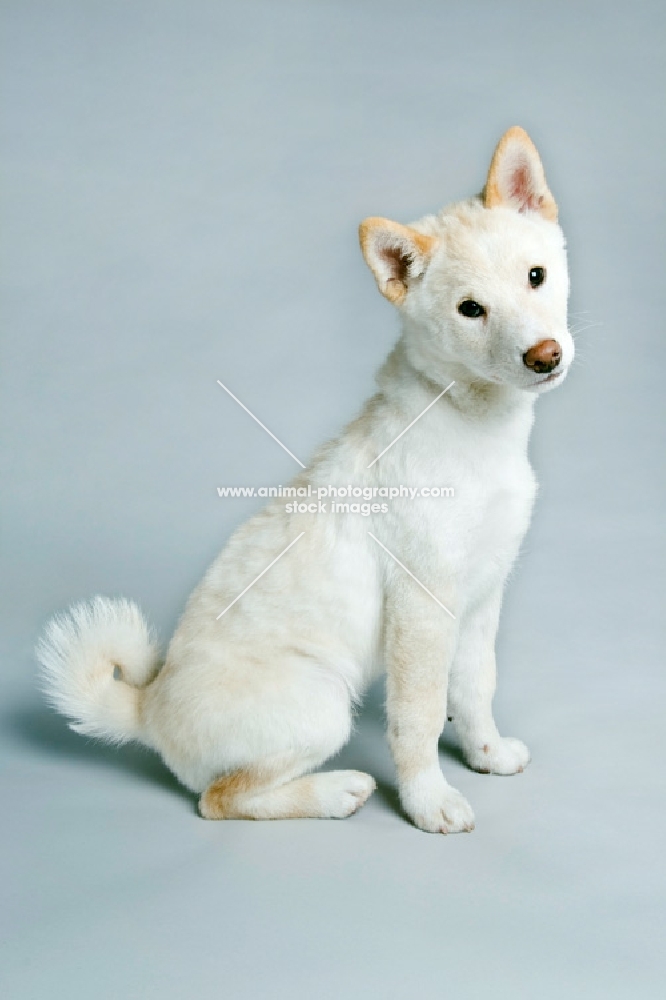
<point>543,357</point>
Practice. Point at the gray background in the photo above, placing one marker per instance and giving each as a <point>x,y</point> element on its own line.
<point>181,188</point>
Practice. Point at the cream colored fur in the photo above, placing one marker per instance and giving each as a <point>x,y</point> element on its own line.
<point>245,708</point>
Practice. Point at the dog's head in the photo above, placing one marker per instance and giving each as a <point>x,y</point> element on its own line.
<point>483,286</point>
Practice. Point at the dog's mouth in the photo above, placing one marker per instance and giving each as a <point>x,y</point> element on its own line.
<point>550,380</point>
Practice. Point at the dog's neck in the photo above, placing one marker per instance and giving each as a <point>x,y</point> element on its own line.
<point>474,398</point>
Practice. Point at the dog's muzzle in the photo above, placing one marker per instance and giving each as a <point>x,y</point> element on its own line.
<point>543,357</point>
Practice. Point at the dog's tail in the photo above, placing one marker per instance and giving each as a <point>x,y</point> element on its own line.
<point>96,658</point>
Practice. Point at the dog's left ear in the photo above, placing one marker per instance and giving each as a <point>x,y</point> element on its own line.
<point>396,255</point>
<point>516,177</point>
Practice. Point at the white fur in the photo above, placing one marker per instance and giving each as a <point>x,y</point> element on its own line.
<point>269,689</point>
<point>80,651</point>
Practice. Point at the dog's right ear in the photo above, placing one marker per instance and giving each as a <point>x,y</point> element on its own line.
<point>395,254</point>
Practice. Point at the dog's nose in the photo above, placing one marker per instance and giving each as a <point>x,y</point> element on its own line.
<point>544,356</point>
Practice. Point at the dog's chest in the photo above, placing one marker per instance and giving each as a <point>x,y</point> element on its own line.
<point>495,497</point>
<point>477,531</point>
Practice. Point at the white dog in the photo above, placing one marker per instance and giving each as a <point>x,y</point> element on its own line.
<point>246,706</point>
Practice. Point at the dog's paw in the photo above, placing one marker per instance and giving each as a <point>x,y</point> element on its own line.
<point>503,756</point>
<point>434,806</point>
<point>342,793</point>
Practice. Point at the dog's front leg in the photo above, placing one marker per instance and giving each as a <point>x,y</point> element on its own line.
<point>420,643</point>
<point>470,696</point>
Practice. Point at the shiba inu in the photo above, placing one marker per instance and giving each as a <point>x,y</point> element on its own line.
<point>257,691</point>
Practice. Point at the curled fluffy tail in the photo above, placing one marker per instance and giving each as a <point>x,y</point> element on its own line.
<point>95,659</point>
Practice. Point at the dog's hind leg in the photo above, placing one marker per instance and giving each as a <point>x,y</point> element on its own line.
<point>249,794</point>
<point>315,722</point>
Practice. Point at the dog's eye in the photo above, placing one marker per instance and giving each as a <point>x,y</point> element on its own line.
<point>537,276</point>
<point>471,309</point>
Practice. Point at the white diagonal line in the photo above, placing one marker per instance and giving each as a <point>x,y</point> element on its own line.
<point>409,425</point>
<point>415,579</point>
<point>263,425</point>
<point>259,577</point>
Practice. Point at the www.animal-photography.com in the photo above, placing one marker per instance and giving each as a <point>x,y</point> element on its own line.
<point>332,495</point>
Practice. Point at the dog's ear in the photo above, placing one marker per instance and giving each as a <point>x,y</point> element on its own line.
<point>395,254</point>
<point>516,177</point>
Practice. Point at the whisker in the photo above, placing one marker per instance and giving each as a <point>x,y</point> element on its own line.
<point>576,330</point>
